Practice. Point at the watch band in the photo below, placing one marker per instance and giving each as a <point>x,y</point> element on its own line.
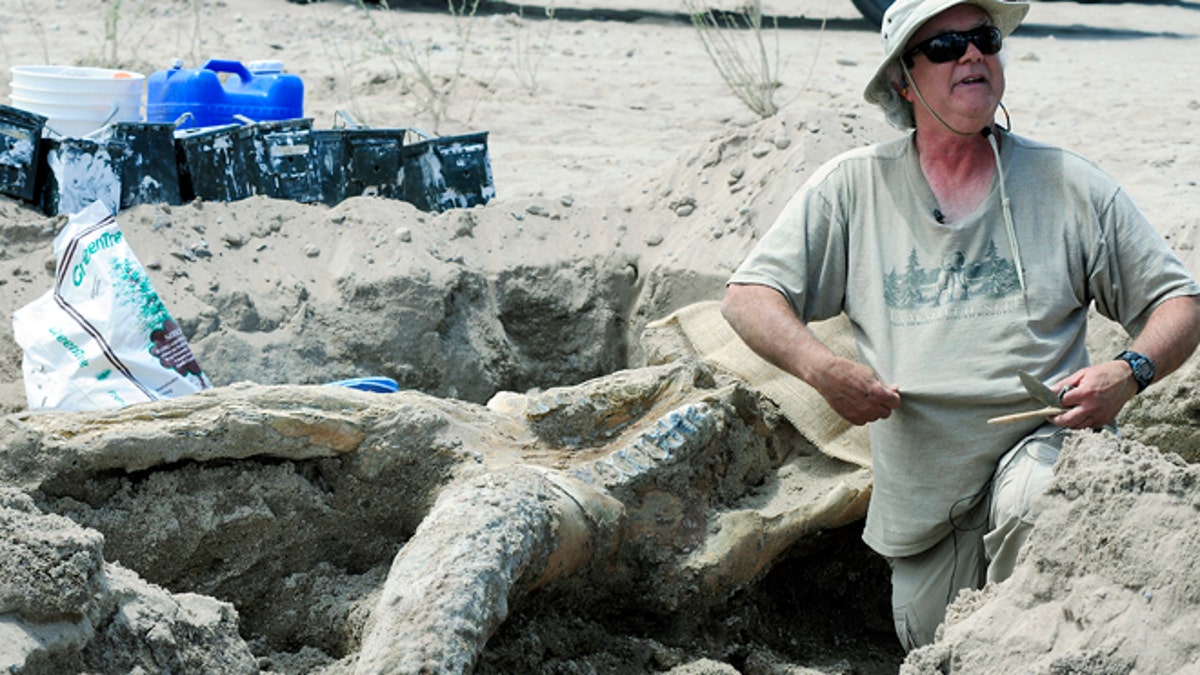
<point>1143,368</point>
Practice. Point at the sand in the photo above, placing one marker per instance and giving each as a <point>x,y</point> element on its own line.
<point>629,180</point>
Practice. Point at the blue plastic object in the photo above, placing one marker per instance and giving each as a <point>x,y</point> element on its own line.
<point>377,385</point>
<point>260,92</point>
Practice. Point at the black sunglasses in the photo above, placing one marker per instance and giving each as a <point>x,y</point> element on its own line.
<point>952,46</point>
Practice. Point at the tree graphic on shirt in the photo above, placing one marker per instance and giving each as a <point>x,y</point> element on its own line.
<point>957,279</point>
<point>1000,278</point>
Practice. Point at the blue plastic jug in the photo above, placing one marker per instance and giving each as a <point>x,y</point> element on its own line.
<point>260,91</point>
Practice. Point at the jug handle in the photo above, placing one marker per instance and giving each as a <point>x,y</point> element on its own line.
<point>224,66</point>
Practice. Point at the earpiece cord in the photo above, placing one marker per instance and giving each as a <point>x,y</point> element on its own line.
<point>1008,221</point>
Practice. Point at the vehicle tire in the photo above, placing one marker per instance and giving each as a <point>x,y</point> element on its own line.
<point>872,10</point>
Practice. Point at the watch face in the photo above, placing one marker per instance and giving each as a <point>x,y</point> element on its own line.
<point>1142,368</point>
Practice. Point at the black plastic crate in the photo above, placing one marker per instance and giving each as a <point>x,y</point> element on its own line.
<point>146,162</point>
<point>282,162</point>
<point>214,162</point>
<point>20,138</point>
<point>353,162</point>
<point>448,172</point>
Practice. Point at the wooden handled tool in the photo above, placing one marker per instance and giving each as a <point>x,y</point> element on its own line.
<point>1041,393</point>
<point>1049,411</point>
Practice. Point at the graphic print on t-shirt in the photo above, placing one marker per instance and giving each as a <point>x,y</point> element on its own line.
<point>952,287</point>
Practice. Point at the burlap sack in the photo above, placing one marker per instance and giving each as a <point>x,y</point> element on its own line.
<point>702,329</point>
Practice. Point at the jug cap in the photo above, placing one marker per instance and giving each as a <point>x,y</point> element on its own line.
<point>265,67</point>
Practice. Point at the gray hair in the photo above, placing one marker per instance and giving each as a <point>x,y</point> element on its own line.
<point>897,110</point>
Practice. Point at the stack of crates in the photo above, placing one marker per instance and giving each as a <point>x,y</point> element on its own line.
<point>130,163</point>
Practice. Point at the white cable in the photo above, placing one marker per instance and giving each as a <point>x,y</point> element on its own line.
<point>1008,221</point>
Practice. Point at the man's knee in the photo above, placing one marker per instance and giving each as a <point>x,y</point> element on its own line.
<point>924,584</point>
<point>1021,477</point>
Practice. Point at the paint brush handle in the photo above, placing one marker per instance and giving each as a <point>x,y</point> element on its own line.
<point>1029,414</point>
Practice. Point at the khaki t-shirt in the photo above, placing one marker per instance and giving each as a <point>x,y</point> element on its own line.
<point>938,309</point>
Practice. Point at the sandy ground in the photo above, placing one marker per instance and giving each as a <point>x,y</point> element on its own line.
<point>603,128</point>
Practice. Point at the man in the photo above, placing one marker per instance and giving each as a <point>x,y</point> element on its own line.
<point>962,254</point>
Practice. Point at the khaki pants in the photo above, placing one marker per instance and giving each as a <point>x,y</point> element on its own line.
<point>982,547</point>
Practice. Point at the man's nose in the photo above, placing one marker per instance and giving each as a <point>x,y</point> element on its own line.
<point>972,53</point>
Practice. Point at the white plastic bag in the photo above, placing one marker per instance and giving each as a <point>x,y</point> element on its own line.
<point>101,338</point>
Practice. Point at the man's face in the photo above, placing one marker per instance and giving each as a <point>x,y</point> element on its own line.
<point>967,88</point>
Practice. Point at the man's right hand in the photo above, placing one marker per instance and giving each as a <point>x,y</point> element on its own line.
<point>855,392</point>
<point>765,321</point>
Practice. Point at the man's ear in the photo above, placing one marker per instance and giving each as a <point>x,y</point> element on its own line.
<point>902,87</point>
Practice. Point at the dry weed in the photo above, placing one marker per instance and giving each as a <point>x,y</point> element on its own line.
<point>735,44</point>
<point>531,49</point>
<point>434,88</point>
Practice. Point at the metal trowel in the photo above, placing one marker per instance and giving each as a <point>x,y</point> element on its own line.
<point>1042,394</point>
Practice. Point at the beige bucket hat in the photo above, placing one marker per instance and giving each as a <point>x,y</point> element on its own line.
<point>905,17</point>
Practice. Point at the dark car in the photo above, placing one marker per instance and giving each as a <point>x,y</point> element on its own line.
<point>873,9</point>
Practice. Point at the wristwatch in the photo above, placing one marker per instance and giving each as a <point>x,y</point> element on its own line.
<point>1143,368</point>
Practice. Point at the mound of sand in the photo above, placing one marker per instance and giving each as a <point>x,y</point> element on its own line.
<point>1101,588</point>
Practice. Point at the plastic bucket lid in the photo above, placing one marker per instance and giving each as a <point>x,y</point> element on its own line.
<point>80,80</point>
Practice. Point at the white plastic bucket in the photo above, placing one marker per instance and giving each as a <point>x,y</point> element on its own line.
<point>78,100</point>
